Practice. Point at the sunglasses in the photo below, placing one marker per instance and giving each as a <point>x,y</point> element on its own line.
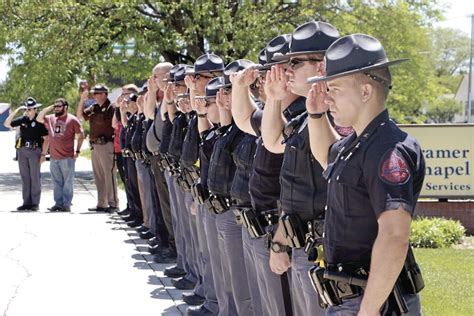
<point>197,76</point>
<point>28,110</point>
<point>179,84</point>
<point>294,62</point>
<point>58,106</point>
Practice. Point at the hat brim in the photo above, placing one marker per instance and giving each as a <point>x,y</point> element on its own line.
<point>34,106</point>
<point>269,65</point>
<point>192,72</point>
<point>350,72</point>
<point>224,85</point>
<point>287,56</point>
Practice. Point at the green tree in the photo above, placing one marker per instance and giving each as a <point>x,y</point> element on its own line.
<point>443,109</point>
<point>450,49</point>
<point>54,42</point>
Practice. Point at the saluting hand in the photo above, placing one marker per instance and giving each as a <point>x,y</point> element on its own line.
<point>222,99</point>
<point>244,78</point>
<point>275,83</point>
<point>152,86</point>
<point>170,94</point>
<point>184,105</point>
<point>200,106</point>
<point>315,100</point>
<point>84,95</point>
<point>20,108</point>
<point>190,82</point>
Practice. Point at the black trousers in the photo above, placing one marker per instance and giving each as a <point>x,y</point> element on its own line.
<point>131,188</point>
<point>119,161</point>
<point>161,230</point>
<point>164,197</point>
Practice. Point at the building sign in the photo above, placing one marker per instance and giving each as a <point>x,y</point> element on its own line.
<point>449,155</point>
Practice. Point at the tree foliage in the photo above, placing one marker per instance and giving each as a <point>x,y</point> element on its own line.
<point>55,42</point>
<point>443,110</point>
<point>450,51</point>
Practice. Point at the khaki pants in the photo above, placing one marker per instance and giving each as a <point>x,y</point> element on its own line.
<point>103,165</point>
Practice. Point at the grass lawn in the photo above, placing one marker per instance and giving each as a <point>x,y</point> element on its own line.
<point>449,281</point>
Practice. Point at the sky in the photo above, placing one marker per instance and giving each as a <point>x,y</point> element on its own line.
<point>456,17</point>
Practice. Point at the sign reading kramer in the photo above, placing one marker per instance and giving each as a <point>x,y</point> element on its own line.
<point>449,155</point>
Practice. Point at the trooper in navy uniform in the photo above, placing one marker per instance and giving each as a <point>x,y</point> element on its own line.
<point>303,187</point>
<point>374,179</point>
<point>264,183</point>
<point>31,147</point>
<point>208,123</point>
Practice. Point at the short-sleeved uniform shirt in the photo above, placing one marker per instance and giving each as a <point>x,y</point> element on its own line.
<point>378,171</point>
<point>62,131</point>
<point>100,120</point>
<point>153,136</point>
<point>30,130</point>
<point>190,151</point>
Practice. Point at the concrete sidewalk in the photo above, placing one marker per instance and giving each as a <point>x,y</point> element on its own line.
<point>77,263</point>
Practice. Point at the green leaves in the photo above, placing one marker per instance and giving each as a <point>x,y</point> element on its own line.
<point>58,41</point>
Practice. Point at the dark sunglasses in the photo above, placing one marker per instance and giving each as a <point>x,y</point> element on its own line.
<point>294,62</point>
<point>197,76</point>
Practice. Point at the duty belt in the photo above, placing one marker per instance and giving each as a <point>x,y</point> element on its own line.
<point>101,140</point>
<point>256,224</point>
<point>299,232</point>
<point>31,145</point>
<point>218,204</point>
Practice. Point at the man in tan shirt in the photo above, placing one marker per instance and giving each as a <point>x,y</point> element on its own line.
<point>101,138</point>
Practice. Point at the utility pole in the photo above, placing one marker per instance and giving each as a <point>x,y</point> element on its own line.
<point>469,94</point>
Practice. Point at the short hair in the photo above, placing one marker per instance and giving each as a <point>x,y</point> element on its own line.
<point>166,66</point>
<point>131,87</point>
<point>63,101</point>
<point>382,78</point>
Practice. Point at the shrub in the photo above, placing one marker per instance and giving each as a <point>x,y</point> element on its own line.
<point>436,232</point>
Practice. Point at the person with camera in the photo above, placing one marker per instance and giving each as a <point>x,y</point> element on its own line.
<point>31,150</point>
<point>374,175</point>
<point>63,128</point>
<point>101,138</point>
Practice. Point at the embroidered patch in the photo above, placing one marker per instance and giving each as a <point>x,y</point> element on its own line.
<point>344,131</point>
<point>394,169</point>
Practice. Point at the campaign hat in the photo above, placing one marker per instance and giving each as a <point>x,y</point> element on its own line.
<point>31,103</point>
<point>100,88</point>
<point>213,86</point>
<point>181,72</point>
<point>310,38</point>
<point>233,67</point>
<point>353,54</point>
<point>207,63</point>
<point>278,45</point>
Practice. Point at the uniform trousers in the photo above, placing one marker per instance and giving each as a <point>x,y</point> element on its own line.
<point>251,268</point>
<point>144,187</point>
<point>29,164</point>
<point>232,254</point>
<point>274,289</point>
<point>131,188</point>
<point>164,197</point>
<point>178,235</point>
<point>351,307</point>
<point>223,292</point>
<point>205,257</point>
<point>192,246</point>
<point>157,226</point>
<point>184,216</point>
<point>62,173</point>
<point>304,297</point>
<point>103,166</point>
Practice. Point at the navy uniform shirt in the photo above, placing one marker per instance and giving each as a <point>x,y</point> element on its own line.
<point>243,159</point>
<point>208,138</point>
<point>180,126</point>
<point>190,151</point>
<point>31,131</point>
<point>264,185</point>
<point>130,130</point>
<point>166,131</point>
<point>138,133</point>
<point>378,171</point>
<point>222,167</point>
<point>303,187</point>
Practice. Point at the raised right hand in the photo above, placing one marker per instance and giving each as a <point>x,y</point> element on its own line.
<point>200,106</point>
<point>315,101</point>
<point>244,78</point>
<point>275,83</point>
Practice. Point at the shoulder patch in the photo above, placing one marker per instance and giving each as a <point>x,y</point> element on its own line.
<point>394,169</point>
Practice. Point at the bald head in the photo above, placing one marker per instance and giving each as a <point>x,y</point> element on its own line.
<point>162,67</point>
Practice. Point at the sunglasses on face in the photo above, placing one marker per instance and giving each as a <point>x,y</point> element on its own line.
<point>58,106</point>
<point>197,76</point>
<point>176,84</point>
<point>296,63</point>
<point>28,110</point>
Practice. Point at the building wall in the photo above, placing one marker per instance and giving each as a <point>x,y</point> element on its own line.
<point>462,211</point>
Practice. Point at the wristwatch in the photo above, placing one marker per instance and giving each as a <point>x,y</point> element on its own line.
<point>276,247</point>
<point>78,151</point>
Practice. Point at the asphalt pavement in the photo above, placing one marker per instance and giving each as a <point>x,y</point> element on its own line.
<point>77,263</point>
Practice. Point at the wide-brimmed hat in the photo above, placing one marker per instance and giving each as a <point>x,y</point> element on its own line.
<point>173,70</point>
<point>278,45</point>
<point>213,86</point>
<point>181,72</point>
<point>310,38</point>
<point>233,67</point>
<point>352,54</point>
<point>144,88</point>
<point>31,103</point>
<point>262,57</point>
<point>100,88</point>
<point>207,63</point>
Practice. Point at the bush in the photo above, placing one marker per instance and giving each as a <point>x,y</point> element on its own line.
<point>436,232</point>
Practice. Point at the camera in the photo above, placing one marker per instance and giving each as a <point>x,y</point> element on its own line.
<point>132,98</point>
